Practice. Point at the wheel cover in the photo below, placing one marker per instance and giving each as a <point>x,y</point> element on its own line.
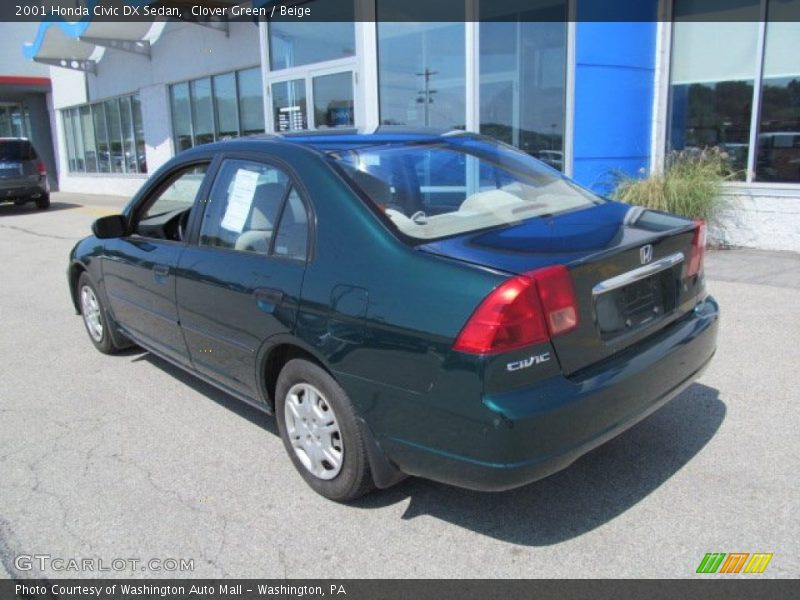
<point>313,431</point>
<point>90,308</point>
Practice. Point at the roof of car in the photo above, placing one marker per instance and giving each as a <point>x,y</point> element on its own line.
<point>333,140</point>
<point>350,138</point>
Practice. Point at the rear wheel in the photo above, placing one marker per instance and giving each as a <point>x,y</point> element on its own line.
<point>95,317</point>
<point>43,202</point>
<point>320,432</point>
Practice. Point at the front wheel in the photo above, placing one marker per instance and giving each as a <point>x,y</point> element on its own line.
<point>95,317</point>
<point>321,433</point>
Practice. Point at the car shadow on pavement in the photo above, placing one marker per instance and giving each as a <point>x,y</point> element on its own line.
<point>242,409</point>
<point>597,488</point>
<point>594,490</point>
<point>7,210</point>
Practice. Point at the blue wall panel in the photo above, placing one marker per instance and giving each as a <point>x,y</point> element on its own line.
<point>614,87</point>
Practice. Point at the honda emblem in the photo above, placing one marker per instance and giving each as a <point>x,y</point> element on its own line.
<point>646,254</point>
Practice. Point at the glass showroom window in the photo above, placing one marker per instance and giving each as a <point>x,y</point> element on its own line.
<point>522,69</point>
<point>421,73</point>
<point>778,154</point>
<point>714,85</point>
<point>14,121</point>
<point>251,101</point>
<point>212,108</point>
<point>296,43</point>
<point>105,137</point>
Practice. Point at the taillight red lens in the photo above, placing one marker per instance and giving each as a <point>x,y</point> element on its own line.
<point>698,249</point>
<point>509,317</point>
<point>558,299</point>
<point>525,310</point>
<point>41,167</point>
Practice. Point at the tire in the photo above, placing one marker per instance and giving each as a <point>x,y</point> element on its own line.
<point>43,202</point>
<point>332,419</point>
<point>95,316</point>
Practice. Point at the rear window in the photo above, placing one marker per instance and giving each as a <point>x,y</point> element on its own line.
<point>438,190</point>
<point>16,150</point>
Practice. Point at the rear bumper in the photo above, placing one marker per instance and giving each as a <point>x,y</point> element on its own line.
<point>25,191</point>
<point>538,431</point>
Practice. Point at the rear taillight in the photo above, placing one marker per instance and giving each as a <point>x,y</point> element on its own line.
<point>42,169</point>
<point>698,249</point>
<point>558,299</point>
<point>525,310</point>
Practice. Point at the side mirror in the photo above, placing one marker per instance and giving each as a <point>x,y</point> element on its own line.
<point>112,226</point>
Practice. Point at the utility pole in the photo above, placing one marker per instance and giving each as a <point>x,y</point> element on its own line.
<point>426,94</point>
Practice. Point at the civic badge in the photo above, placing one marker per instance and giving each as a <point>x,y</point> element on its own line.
<point>646,254</point>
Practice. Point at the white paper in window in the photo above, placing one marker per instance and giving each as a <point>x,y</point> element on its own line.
<point>240,199</point>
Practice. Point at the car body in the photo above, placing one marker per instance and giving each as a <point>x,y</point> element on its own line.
<point>459,310</point>
<point>23,176</point>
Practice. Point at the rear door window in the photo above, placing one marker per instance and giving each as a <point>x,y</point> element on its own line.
<point>244,206</point>
<point>291,240</point>
<point>253,207</point>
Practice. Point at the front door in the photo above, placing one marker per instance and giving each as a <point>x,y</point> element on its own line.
<point>241,283</point>
<point>139,269</point>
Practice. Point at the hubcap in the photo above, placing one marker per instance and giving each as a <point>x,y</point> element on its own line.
<point>90,308</point>
<point>313,431</point>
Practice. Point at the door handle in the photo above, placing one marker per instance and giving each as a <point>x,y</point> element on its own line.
<point>268,298</point>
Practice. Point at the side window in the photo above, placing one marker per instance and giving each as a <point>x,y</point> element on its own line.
<point>166,213</point>
<point>291,240</point>
<point>179,193</point>
<point>243,206</point>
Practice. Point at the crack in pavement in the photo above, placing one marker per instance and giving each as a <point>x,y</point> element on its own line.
<point>37,234</point>
<point>212,560</point>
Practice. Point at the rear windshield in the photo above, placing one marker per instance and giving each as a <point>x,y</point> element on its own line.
<point>16,150</point>
<point>438,190</point>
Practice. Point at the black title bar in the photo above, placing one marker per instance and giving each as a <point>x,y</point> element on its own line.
<point>711,588</point>
<point>395,10</point>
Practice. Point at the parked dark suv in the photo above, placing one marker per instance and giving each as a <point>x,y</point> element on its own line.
<point>23,176</point>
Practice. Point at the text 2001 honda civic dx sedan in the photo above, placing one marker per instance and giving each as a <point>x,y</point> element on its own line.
<point>406,303</point>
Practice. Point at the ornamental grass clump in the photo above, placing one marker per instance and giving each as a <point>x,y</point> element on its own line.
<point>690,185</point>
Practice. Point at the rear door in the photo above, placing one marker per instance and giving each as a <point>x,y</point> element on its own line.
<point>139,270</point>
<point>240,282</point>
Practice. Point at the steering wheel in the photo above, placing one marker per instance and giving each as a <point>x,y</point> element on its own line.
<point>182,225</point>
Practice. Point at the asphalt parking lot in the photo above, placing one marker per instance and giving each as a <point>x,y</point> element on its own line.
<point>109,457</point>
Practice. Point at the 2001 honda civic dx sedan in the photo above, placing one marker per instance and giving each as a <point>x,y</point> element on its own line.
<point>406,303</point>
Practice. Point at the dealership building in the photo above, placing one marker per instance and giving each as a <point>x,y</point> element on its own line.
<point>589,97</point>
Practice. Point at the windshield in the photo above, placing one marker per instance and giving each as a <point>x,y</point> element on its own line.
<point>437,190</point>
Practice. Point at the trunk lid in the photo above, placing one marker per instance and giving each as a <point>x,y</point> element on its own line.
<point>628,268</point>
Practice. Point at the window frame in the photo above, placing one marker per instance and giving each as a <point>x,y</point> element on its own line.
<point>307,74</point>
<point>663,122</point>
<point>294,183</point>
<point>211,77</point>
